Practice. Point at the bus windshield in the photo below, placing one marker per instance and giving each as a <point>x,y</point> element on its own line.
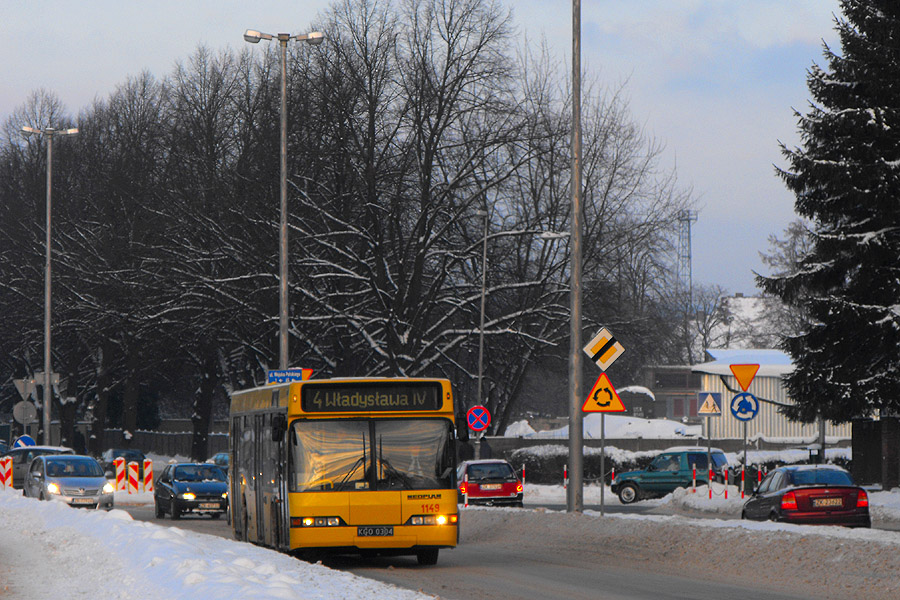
<point>373,454</point>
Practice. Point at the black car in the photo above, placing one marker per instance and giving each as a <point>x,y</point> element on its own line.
<point>199,488</point>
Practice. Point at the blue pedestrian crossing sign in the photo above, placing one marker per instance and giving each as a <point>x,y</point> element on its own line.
<point>710,404</point>
<point>744,406</point>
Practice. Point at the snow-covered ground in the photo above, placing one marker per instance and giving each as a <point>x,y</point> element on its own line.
<point>50,550</point>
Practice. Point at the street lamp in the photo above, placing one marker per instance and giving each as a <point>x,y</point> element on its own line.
<point>49,133</point>
<point>313,38</point>
<point>543,235</point>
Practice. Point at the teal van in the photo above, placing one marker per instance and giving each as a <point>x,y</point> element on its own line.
<point>672,469</point>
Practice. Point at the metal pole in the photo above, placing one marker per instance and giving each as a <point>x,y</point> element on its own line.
<point>602,460</point>
<point>575,491</point>
<point>481,327</point>
<point>48,389</point>
<point>483,288</point>
<point>283,291</point>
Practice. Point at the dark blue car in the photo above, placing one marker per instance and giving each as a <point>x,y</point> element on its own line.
<point>199,488</point>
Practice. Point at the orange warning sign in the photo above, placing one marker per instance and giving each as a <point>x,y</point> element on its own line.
<point>603,397</point>
<point>744,374</point>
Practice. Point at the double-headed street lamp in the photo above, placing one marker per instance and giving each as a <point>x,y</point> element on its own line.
<point>313,38</point>
<point>49,133</point>
<point>543,235</point>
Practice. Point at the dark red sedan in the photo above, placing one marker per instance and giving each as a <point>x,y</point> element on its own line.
<point>809,495</point>
<point>491,481</point>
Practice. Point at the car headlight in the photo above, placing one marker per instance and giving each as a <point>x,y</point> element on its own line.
<point>225,495</point>
<point>188,496</point>
<point>52,488</point>
<point>109,488</point>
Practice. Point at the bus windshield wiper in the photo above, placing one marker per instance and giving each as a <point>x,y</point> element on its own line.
<point>361,461</point>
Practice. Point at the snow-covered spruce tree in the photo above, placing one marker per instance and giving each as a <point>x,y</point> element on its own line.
<point>846,178</point>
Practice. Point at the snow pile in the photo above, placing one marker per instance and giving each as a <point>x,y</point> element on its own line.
<point>519,429</point>
<point>620,427</point>
<point>883,506</point>
<point>90,553</point>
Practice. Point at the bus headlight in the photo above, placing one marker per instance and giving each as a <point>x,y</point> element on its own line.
<point>316,522</point>
<point>53,488</point>
<point>109,488</point>
<point>433,520</point>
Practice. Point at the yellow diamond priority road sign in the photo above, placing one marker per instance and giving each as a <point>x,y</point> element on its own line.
<point>604,349</point>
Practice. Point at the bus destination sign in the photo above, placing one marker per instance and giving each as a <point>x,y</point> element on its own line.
<point>371,396</point>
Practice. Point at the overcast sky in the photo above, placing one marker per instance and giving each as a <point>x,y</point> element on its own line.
<point>715,80</point>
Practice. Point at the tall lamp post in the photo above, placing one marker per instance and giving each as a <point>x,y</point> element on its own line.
<point>313,38</point>
<point>49,133</point>
<point>575,489</point>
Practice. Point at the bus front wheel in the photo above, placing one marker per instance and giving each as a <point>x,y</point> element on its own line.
<point>427,556</point>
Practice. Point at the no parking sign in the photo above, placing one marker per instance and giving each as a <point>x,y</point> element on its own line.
<point>478,418</point>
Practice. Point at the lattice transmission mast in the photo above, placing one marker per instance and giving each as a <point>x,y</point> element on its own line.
<point>683,273</point>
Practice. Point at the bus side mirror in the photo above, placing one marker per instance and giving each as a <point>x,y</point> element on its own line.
<point>279,426</point>
<point>462,432</point>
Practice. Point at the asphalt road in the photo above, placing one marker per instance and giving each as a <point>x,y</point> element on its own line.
<point>492,563</point>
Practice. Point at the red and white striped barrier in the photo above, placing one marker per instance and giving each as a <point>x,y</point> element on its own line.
<point>148,475</point>
<point>725,477</point>
<point>565,477</point>
<point>742,482</point>
<point>121,484</point>
<point>6,472</point>
<point>466,490</point>
<point>693,475</point>
<point>709,482</point>
<point>523,476</point>
<point>133,478</point>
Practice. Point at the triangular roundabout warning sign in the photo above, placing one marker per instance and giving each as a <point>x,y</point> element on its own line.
<point>603,397</point>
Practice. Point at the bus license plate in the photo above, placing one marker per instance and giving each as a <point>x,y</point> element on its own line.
<point>374,531</point>
<point>83,500</point>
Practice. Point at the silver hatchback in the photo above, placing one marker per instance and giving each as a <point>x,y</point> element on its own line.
<point>76,480</point>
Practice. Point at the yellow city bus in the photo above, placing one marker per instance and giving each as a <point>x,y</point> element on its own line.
<point>361,465</point>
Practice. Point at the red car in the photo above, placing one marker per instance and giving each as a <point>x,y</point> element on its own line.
<point>489,481</point>
<point>809,495</point>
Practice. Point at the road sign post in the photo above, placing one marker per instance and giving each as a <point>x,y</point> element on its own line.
<point>710,406</point>
<point>603,398</point>
<point>285,375</point>
<point>478,419</point>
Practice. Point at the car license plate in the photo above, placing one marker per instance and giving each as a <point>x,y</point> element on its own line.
<point>374,531</point>
<point>827,502</point>
<point>491,486</point>
<point>82,500</point>
<point>209,505</point>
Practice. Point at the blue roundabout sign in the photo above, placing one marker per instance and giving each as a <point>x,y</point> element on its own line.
<point>744,406</point>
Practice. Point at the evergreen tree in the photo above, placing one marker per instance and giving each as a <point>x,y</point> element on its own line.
<point>846,178</point>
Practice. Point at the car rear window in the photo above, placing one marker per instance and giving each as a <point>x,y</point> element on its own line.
<point>490,471</point>
<point>821,477</point>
